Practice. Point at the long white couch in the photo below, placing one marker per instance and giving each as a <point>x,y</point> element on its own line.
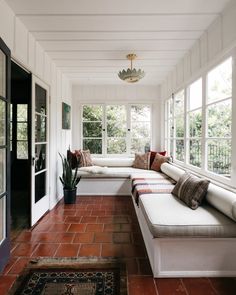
<point>180,242</point>
<point>189,243</point>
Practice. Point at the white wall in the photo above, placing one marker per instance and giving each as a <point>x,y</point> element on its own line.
<point>115,93</point>
<point>26,51</point>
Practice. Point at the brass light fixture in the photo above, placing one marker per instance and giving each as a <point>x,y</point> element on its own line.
<point>131,75</point>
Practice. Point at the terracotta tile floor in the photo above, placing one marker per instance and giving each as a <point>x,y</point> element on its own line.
<point>102,226</point>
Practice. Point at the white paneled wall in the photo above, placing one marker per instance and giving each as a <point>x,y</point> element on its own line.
<point>26,51</point>
<point>214,43</point>
<point>119,94</point>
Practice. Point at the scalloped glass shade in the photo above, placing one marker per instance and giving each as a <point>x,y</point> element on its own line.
<point>131,76</point>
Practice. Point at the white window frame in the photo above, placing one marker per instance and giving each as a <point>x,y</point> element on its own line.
<point>104,126</point>
<point>215,178</point>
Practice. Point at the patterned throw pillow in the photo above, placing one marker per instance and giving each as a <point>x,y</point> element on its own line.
<point>158,160</point>
<point>142,161</point>
<point>153,154</point>
<point>191,190</point>
<point>85,159</point>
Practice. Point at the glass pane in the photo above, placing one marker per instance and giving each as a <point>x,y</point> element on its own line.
<point>195,152</point>
<point>40,186</point>
<point>195,123</point>
<point>2,170</point>
<point>116,112</point>
<point>40,128</point>
<point>116,129</point>
<point>171,128</point>
<point>195,95</point>
<point>22,129</point>
<point>140,113</point>
<point>2,122</point>
<point>92,113</point>
<point>116,146</point>
<point>219,81</point>
<point>220,119</point>
<point>22,150</point>
<point>94,145</point>
<point>140,145</point>
<point>40,157</point>
<point>179,150</point>
<point>40,100</point>
<point>140,129</point>
<point>2,74</point>
<point>179,126</point>
<point>170,108</point>
<point>92,129</point>
<point>179,103</point>
<point>2,219</point>
<point>22,112</point>
<point>219,156</point>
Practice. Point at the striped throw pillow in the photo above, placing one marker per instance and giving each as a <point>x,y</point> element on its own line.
<point>191,190</point>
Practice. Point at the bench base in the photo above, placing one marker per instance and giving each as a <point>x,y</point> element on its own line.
<point>104,186</point>
<point>189,257</point>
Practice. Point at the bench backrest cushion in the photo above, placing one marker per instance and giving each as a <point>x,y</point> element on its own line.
<point>223,200</point>
<point>218,197</point>
<point>113,162</point>
<point>172,171</point>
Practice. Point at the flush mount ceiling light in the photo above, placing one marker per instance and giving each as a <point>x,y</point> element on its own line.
<point>131,75</point>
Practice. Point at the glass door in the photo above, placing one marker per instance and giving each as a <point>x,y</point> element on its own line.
<point>4,154</point>
<point>40,148</point>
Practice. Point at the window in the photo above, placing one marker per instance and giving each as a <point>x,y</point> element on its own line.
<point>194,119</point>
<point>208,121</point>
<point>116,129</point>
<point>179,125</point>
<point>219,118</point>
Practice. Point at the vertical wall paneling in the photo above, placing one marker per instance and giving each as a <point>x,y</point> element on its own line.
<point>214,38</point>
<point>31,51</point>
<point>21,41</point>
<point>39,60</point>
<point>195,57</point>
<point>229,25</point>
<point>180,74</point>
<point>203,49</point>
<point>47,68</point>
<point>187,67</point>
<point>7,24</point>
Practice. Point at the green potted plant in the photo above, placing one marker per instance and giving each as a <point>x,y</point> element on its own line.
<point>69,180</point>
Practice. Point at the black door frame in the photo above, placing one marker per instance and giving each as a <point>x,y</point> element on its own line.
<point>5,246</point>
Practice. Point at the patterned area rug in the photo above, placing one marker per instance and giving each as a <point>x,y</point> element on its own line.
<point>72,276</point>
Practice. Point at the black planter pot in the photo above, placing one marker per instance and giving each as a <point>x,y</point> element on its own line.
<point>69,196</point>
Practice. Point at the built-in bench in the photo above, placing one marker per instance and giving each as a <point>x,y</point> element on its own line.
<point>108,176</point>
<point>182,242</point>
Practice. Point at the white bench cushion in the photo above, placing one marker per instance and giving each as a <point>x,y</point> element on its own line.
<point>114,172</point>
<point>113,162</point>
<point>167,216</point>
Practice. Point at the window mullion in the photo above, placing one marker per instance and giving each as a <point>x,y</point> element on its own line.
<point>204,124</point>
<point>104,133</point>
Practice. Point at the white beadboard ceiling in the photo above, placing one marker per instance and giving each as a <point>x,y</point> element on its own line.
<point>89,40</point>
